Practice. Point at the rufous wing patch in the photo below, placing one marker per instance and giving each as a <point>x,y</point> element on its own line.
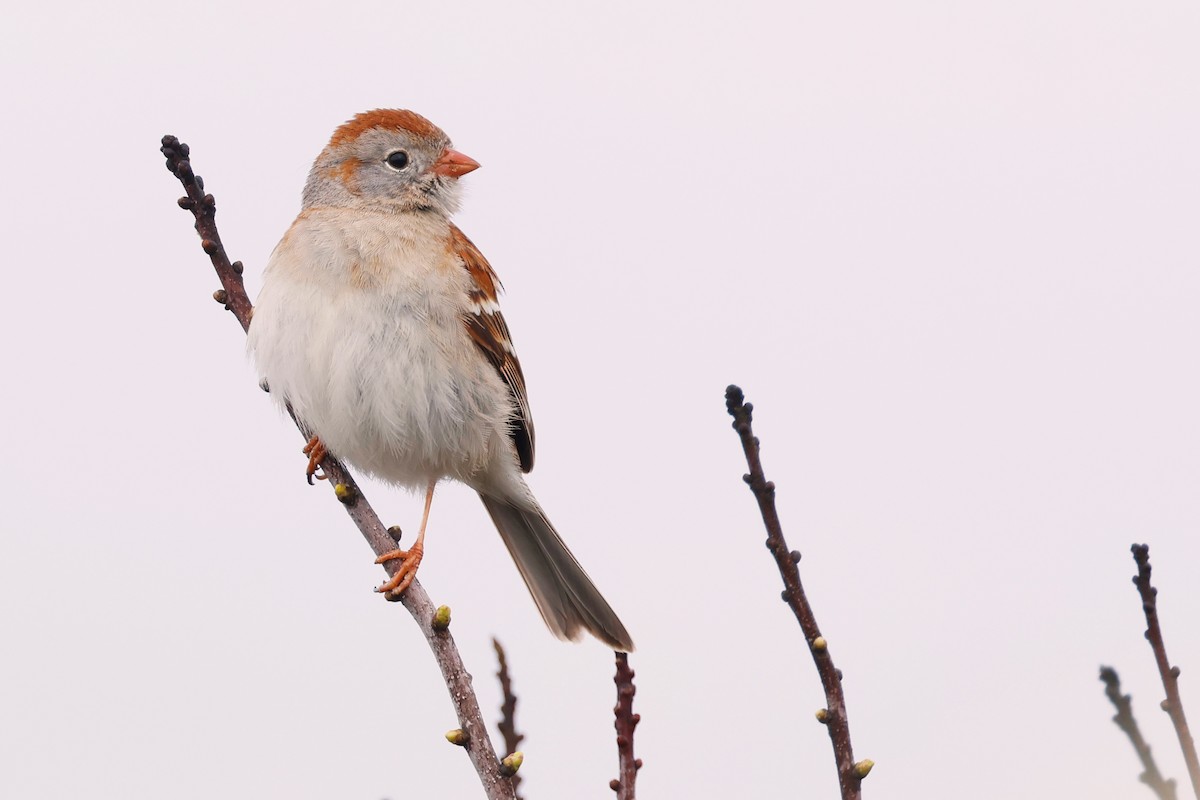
<point>489,331</point>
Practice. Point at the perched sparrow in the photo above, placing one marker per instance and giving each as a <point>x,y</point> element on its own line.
<point>378,327</point>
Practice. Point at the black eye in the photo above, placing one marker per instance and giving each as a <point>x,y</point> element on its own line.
<point>397,160</point>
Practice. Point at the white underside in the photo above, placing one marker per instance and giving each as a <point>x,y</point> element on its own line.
<point>359,329</point>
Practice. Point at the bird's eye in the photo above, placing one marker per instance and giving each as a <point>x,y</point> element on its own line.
<point>397,160</point>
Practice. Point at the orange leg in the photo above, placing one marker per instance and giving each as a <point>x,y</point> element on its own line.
<point>315,450</point>
<point>411,558</point>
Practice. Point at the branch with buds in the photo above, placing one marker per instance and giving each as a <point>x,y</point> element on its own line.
<point>494,774</point>
<point>508,711</point>
<point>625,722</point>
<point>1173,705</point>
<point>833,716</point>
<point>1124,719</point>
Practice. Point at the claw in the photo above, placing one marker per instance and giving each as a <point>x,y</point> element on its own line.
<point>316,452</point>
<point>411,558</point>
<point>403,577</point>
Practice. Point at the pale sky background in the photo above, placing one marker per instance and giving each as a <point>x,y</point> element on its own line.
<point>949,250</point>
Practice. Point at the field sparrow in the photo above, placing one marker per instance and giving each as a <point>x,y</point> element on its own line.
<point>378,326</point>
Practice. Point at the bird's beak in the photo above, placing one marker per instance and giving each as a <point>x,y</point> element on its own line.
<point>454,164</point>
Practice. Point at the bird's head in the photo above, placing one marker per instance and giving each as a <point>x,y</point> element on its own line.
<point>388,160</point>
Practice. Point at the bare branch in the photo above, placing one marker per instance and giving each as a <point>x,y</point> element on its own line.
<point>1165,789</point>
<point>833,716</point>
<point>458,680</point>
<point>204,208</point>
<point>508,712</point>
<point>1173,705</point>
<point>626,722</point>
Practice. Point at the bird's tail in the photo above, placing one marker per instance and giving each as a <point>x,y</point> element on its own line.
<point>569,601</point>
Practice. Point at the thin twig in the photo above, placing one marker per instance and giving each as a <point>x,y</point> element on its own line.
<point>1173,705</point>
<point>850,773</point>
<point>625,723</point>
<point>458,680</point>
<point>508,712</point>
<point>1164,788</point>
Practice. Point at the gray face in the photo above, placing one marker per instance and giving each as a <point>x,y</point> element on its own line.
<point>386,169</point>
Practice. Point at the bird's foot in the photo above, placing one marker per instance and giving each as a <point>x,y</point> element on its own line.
<point>316,452</point>
<point>403,576</point>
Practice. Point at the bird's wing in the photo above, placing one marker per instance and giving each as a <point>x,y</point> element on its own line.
<point>486,325</point>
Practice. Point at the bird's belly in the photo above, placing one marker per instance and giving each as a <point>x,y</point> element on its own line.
<point>397,389</point>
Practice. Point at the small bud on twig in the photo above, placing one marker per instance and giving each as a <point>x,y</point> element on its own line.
<point>863,768</point>
<point>823,716</point>
<point>441,618</point>
<point>458,736</point>
<point>511,763</point>
<point>819,645</point>
<point>344,492</point>
<point>221,297</point>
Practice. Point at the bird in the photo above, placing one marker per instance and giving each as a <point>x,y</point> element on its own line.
<point>378,327</point>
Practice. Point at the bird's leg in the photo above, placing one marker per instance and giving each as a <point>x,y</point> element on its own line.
<point>411,557</point>
<point>315,450</point>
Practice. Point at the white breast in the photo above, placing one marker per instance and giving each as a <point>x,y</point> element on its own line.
<point>359,328</point>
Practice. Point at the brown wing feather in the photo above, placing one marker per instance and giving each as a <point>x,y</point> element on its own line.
<point>486,325</point>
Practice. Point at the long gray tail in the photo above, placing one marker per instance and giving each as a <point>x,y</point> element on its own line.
<point>569,601</point>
